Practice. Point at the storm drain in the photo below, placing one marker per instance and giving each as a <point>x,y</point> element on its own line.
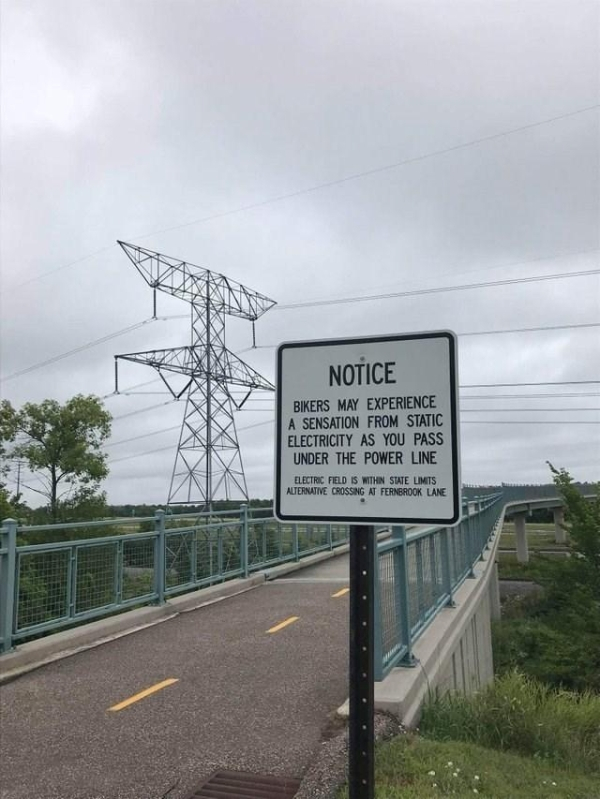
<point>243,785</point>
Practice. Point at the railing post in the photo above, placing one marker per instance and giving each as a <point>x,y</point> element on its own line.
<point>244,557</point>
<point>119,573</point>
<point>219,552</point>
<point>401,567</point>
<point>330,537</point>
<point>446,571</point>
<point>295,542</point>
<point>472,537</point>
<point>160,575</point>
<point>8,566</point>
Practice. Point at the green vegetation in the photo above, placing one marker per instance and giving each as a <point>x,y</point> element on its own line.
<point>522,715</point>
<point>555,637</point>
<point>526,736</point>
<point>509,567</point>
<point>61,444</point>
<point>414,767</point>
<point>539,536</point>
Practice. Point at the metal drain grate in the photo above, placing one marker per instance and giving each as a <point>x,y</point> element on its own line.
<point>244,785</point>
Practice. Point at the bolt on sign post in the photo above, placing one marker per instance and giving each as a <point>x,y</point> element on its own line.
<point>367,432</point>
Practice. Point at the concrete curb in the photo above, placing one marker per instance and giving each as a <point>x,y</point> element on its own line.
<point>60,645</point>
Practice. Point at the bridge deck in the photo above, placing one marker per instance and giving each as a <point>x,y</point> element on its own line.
<point>245,699</point>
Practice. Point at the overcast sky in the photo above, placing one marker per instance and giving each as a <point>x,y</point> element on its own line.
<point>312,151</point>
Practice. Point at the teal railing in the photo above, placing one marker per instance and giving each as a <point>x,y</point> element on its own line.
<point>45,587</point>
<point>419,571</point>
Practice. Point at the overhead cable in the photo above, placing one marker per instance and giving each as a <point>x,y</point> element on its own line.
<point>438,290</point>
<point>170,447</point>
<point>376,170</point>
<point>76,350</point>
<point>330,183</point>
<point>525,421</point>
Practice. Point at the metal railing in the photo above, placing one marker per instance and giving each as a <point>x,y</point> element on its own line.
<point>45,587</point>
<point>417,574</point>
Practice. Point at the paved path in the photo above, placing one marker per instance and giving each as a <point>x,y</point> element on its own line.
<point>245,699</point>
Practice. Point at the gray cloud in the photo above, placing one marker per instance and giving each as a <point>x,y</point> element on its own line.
<point>121,119</point>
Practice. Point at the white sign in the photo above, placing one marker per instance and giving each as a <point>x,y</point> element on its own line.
<point>367,430</point>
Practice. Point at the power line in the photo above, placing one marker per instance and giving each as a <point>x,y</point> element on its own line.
<point>525,410</point>
<point>170,447</point>
<point>369,172</point>
<point>137,385</point>
<point>541,383</point>
<point>437,290</point>
<point>547,395</point>
<point>129,329</point>
<point>539,329</point>
<point>143,435</point>
<point>525,421</point>
<point>142,410</point>
<point>76,350</point>
<point>327,184</point>
<point>65,266</point>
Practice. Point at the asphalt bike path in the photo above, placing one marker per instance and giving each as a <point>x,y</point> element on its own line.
<point>248,683</point>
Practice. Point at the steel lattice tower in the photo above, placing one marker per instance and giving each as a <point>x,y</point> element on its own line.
<point>208,460</point>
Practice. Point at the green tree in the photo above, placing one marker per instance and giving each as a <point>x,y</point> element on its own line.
<point>583,526</point>
<point>62,443</point>
<point>555,637</point>
<point>7,434</point>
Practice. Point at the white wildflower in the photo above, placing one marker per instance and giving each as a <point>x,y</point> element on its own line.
<point>431,773</point>
<point>476,777</point>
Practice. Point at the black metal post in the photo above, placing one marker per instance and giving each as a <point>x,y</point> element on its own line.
<point>361,748</point>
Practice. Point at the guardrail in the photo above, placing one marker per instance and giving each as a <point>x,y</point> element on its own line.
<point>45,587</point>
<point>417,574</point>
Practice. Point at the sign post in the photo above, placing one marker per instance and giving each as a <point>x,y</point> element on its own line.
<point>361,737</point>
<point>367,433</point>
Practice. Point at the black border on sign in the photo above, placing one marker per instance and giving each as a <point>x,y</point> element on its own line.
<point>456,488</point>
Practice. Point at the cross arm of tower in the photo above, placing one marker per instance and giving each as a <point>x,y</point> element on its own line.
<point>225,367</point>
<point>196,284</point>
<point>240,374</point>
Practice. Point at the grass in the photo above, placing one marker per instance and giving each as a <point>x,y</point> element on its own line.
<point>521,715</point>
<point>414,767</point>
<point>547,527</point>
<point>516,739</point>
<point>510,569</point>
<point>537,538</point>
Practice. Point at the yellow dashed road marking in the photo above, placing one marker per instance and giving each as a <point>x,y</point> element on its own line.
<point>340,593</point>
<point>283,624</point>
<point>143,694</point>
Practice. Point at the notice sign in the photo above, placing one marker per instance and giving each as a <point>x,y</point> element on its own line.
<point>367,430</point>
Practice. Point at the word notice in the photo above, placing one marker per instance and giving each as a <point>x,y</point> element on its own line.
<point>367,430</point>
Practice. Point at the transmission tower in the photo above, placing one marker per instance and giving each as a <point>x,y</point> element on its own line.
<point>208,461</point>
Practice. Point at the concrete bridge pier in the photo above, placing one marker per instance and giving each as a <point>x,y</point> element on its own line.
<point>521,535</point>
<point>560,534</point>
